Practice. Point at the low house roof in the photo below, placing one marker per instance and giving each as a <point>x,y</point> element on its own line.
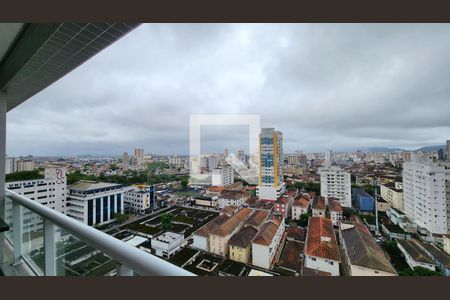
<point>302,201</point>
<point>267,232</point>
<point>319,203</point>
<point>257,218</point>
<point>335,205</point>
<point>229,225</point>
<point>243,237</point>
<point>362,249</point>
<point>413,248</point>
<point>440,256</point>
<point>210,226</point>
<point>320,240</point>
<point>295,233</point>
<point>290,257</point>
<point>235,195</point>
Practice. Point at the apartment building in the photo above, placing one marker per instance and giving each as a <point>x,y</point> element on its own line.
<point>266,242</point>
<point>25,165</point>
<point>10,165</point>
<point>222,175</point>
<point>139,198</point>
<point>321,249</point>
<point>393,193</point>
<point>335,182</point>
<point>271,185</point>
<point>426,193</point>
<point>94,202</point>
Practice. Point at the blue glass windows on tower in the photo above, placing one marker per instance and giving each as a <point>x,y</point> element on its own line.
<point>98,211</point>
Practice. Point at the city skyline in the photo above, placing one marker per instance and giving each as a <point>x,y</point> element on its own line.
<point>356,86</point>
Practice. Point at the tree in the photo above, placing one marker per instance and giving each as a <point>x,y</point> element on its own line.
<point>419,271</point>
<point>24,175</point>
<point>303,221</point>
<point>184,184</point>
<point>121,218</point>
<point>166,220</point>
<point>312,187</point>
<point>113,167</point>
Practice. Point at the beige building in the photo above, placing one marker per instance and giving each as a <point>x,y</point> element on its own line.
<point>393,193</point>
<point>218,240</point>
<point>241,245</point>
<point>25,165</point>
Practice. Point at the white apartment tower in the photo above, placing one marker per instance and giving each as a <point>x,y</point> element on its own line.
<point>426,193</point>
<point>271,184</point>
<point>223,175</point>
<point>335,182</point>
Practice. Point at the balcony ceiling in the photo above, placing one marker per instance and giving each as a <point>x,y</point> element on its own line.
<point>33,56</point>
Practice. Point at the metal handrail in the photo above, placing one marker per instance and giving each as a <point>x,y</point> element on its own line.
<point>140,261</point>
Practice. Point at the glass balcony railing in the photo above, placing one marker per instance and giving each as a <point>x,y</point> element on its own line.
<point>53,244</point>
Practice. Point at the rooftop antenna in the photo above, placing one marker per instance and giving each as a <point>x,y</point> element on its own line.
<point>374,185</point>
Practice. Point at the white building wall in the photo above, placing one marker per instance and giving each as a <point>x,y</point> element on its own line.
<point>362,271</point>
<point>261,256</point>
<point>321,264</point>
<point>297,211</point>
<point>424,194</point>
<point>200,242</point>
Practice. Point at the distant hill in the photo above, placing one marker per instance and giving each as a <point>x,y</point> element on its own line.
<point>431,148</point>
<point>386,149</point>
<point>382,149</point>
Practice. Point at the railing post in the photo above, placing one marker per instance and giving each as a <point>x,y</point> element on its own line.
<point>50,248</point>
<point>123,270</point>
<point>17,231</point>
<point>2,170</point>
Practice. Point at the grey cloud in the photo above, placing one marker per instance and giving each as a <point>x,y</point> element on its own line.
<point>324,86</point>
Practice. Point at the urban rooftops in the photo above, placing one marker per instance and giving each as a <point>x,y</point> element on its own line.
<point>320,240</point>
<point>415,250</point>
<point>362,249</point>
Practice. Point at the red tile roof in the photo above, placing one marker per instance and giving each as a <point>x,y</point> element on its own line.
<point>302,201</point>
<point>319,229</point>
<point>229,225</point>
<point>257,218</point>
<point>267,231</point>
<point>334,205</point>
<point>319,203</point>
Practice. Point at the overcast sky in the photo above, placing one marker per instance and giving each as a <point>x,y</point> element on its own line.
<point>325,86</point>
